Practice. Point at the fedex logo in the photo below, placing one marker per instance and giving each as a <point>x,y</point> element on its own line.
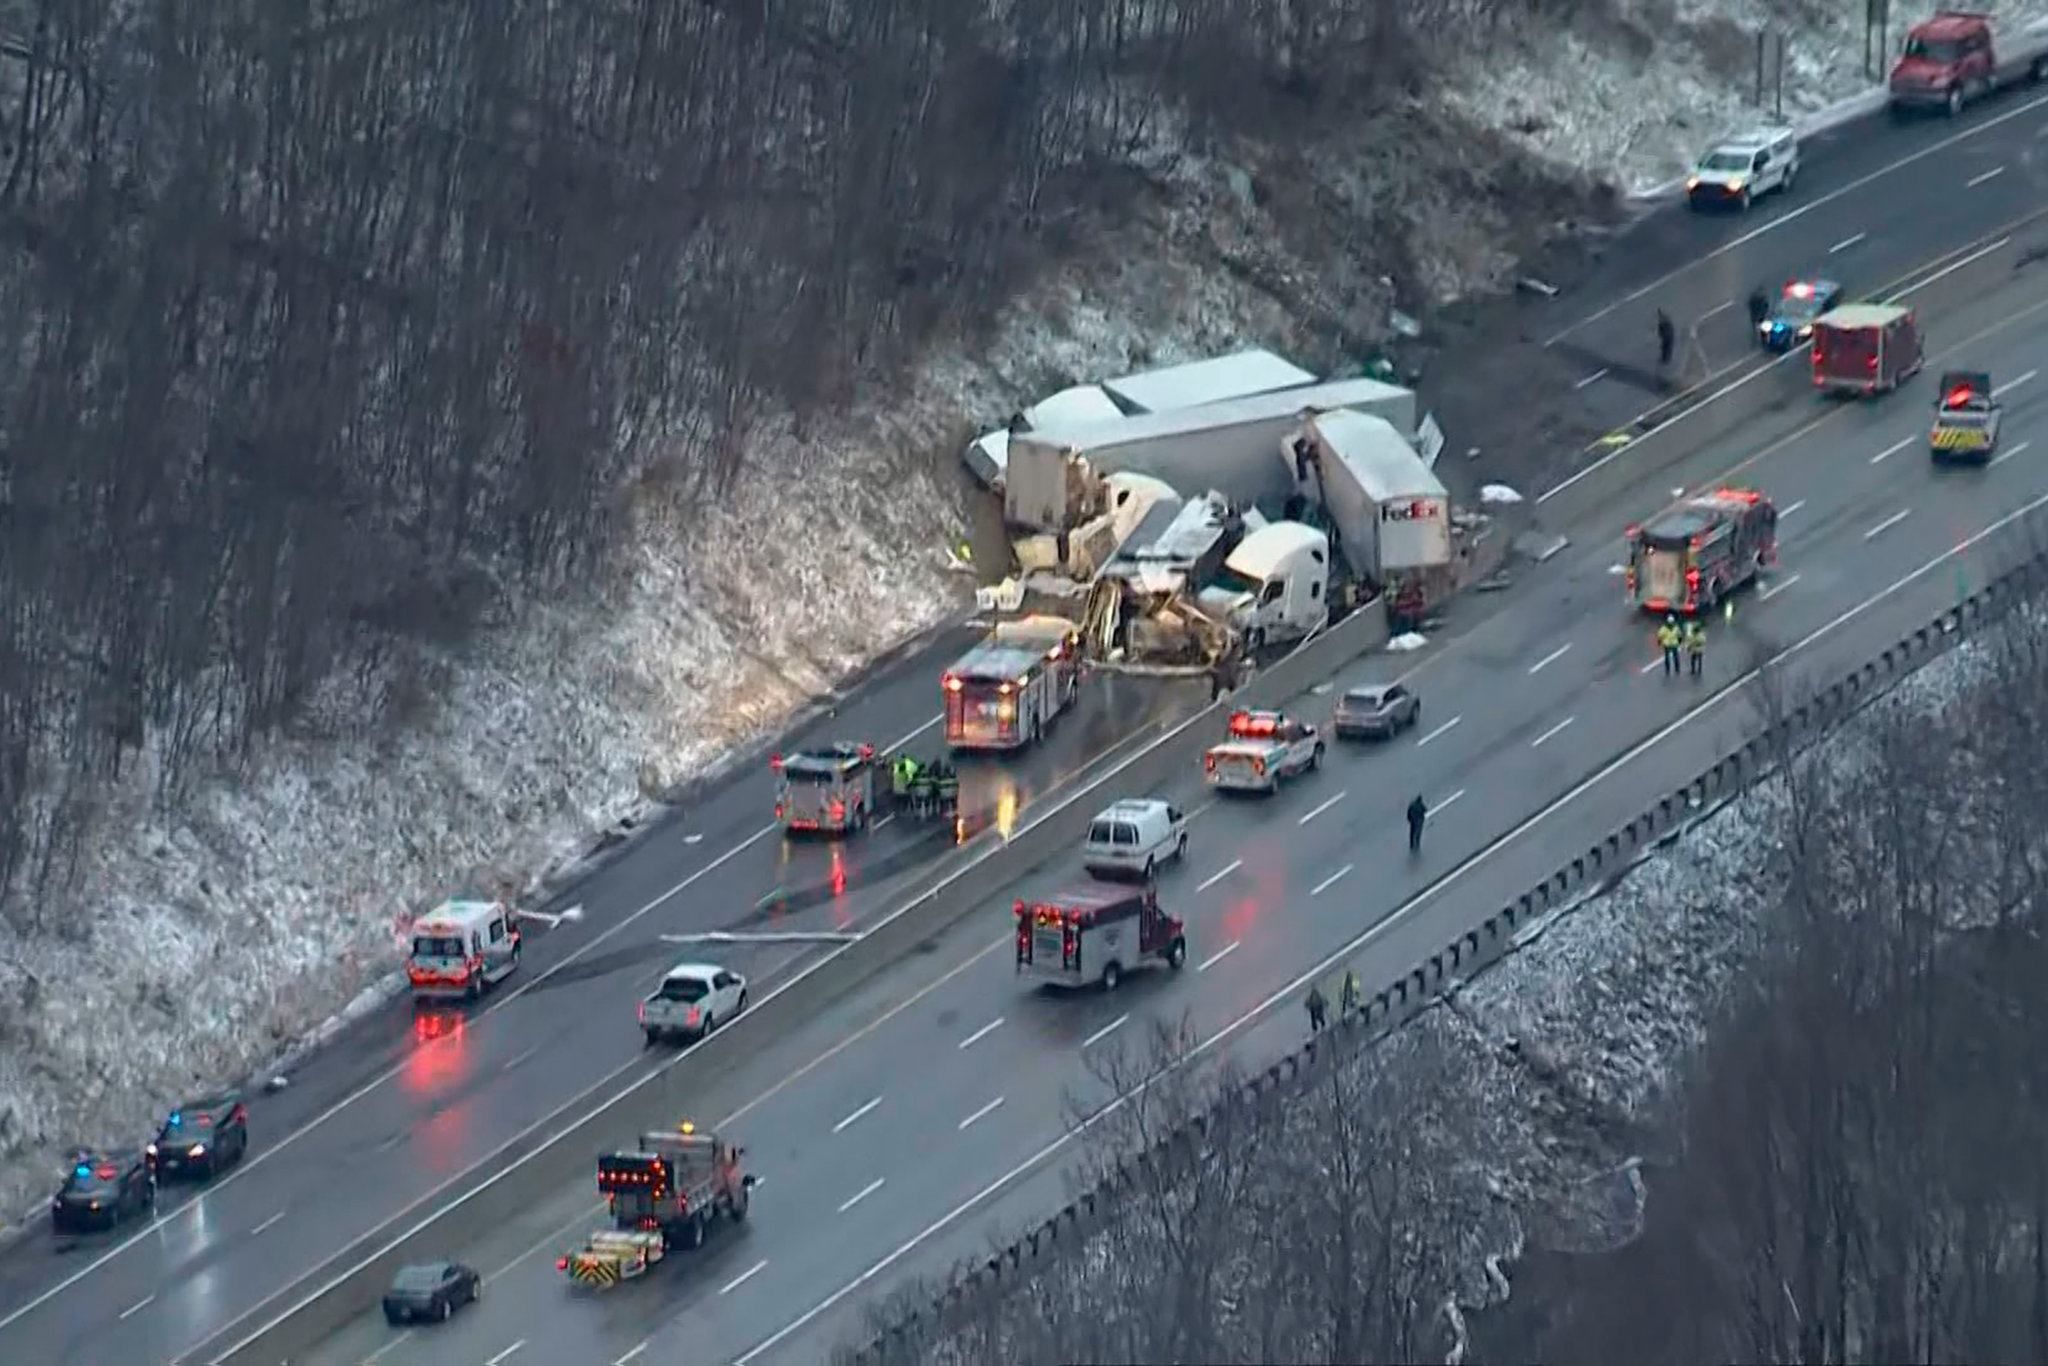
<point>1417,510</point>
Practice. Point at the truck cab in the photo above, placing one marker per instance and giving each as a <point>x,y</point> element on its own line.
<point>1274,586</point>
<point>1952,59</point>
<point>825,791</point>
<point>1263,748</point>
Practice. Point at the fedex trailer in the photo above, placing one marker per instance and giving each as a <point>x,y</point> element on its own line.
<point>1391,516</point>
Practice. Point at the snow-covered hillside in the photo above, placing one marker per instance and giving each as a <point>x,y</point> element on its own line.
<point>280,888</point>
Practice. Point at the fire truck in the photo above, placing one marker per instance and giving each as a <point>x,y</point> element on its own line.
<point>666,1195</point>
<point>1263,748</point>
<point>1692,557</point>
<point>1097,934</point>
<point>826,791</point>
<point>1007,691</point>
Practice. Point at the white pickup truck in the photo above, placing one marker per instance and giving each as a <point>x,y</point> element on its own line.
<point>1263,748</point>
<point>692,1000</point>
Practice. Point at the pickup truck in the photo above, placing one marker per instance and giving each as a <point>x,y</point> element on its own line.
<point>1952,59</point>
<point>1263,748</point>
<point>691,1000</point>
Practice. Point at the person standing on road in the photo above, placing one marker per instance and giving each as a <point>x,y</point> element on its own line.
<point>1418,816</point>
<point>1668,638</point>
<point>1696,648</point>
<point>1318,1008</point>
<point>1667,340</point>
<point>1759,309</point>
<point>1347,1002</point>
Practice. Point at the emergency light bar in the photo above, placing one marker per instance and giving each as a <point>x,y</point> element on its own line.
<point>1254,725</point>
<point>1799,289</point>
<point>1958,397</point>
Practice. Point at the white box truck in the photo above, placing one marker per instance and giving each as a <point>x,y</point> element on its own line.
<point>1391,515</point>
<point>1230,447</point>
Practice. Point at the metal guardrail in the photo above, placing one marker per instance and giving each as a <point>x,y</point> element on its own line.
<point>1471,952</point>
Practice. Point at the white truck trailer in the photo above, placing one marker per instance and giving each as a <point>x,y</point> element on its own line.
<point>1390,514</point>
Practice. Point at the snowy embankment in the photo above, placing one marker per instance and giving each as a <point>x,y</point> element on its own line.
<point>193,949</point>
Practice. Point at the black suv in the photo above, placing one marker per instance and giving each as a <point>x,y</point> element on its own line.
<point>202,1136</point>
<point>102,1189</point>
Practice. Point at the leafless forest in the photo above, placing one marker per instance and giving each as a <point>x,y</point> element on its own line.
<point>1859,1173</point>
<point>341,324</point>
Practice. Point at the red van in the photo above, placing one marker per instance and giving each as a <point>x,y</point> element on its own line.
<point>1865,348</point>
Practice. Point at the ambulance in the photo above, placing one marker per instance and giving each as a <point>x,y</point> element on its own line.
<point>460,949</point>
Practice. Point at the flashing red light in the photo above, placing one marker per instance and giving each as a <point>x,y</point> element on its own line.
<point>1259,767</point>
<point>1634,530</point>
<point>1209,762</point>
<point>838,809</point>
<point>867,751</point>
<point>1018,907</point>
<point>107,1173</point>
<point>1959,396</point>
<point>775,762</point>
<point>1692,582</point>
<point>1248,725</point>
<point>952,683</point>
<point>1871,364</point>
<point>1799,289</point>
<point>561,1263</point>
<point>1750,496</point>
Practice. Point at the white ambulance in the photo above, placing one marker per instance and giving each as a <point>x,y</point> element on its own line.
<point>460,948</point>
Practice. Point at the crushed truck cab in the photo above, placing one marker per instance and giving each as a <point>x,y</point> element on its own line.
<point>1264,747</point>
<point>1966,419</point>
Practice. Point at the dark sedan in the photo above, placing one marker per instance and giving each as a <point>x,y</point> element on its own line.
<point>201,1136</point>
<point>430,1291</point>
<point>102,1189</point>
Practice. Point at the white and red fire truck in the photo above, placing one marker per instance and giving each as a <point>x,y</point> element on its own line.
<point>1693,556</point>
<point>825,791</point>
<point>1097,933</point>
<point>1263,748</point>
<point>1006,692</point>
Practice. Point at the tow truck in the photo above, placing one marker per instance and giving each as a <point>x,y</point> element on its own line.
<point>1007,691</point>
<point>825,791</point>
<point>1702,550</point>
<point>666,1195</point>
<point>1263,748</point>
<point>1966,419</point>
<point>1086,935</point>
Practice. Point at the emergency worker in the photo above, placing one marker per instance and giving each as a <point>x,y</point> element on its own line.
<point>1348,1002</point>
<point>946,787</point>
<point>1667,340</point>
<point>1668,639</point>
<point>1759,309</point>
<point>902,774</point>
<point>922,790</point>
<point>1696,648</point>
<point>1418,816</point>
<point>1318,1008</point>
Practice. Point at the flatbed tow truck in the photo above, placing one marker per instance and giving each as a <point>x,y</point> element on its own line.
<point>666,1195</point>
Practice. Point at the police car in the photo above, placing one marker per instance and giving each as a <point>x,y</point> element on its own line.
<point>102,1188</point>
<point>1790,320</point>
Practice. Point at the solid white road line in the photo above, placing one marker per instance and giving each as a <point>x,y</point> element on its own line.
<point>138,1306</point>
<point>1386,925</point>
<point>1440,730</point>
<point>982,1033</point>
<point>1213,959</point>
<point>1559,653</point>
<point>1771,590</point>
<point>1332,880</point>
<point>506,1353</point>
<point>1974,181</point>
<point>266,1223</point>
<point>1112,1027</point>
<point>1537,743</point>
<point>906,739</point>
<point>1846,243</point>
<point>863,1193</point>
<point>1889,451</point>
<point>1221,873</point>
<point>1320,809</point>
<point>2009,452</point>
<point>983,1113</point>
<point>520,1058</point>
<point>1591,379</point>
<point>621,1361</point>
<point>1887,524</point>
<point>741,1279</point>
<point>856,1116</point>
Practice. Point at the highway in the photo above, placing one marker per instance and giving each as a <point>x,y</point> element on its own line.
<point>914,1126</point>
<point>384,1115</point>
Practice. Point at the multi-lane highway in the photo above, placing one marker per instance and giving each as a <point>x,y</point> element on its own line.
<point>911,1127</point>
<point>383,1117</point>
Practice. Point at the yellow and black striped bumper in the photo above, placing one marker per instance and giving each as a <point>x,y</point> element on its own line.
<point>595,1271</point>
<point>1959,439</point>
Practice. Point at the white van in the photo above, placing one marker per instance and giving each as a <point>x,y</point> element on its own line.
<point>460,948</point>
<point>1275,586</point>
<point>1135,836</point>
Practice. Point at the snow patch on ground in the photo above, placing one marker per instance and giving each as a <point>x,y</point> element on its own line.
<point>1407,640</point>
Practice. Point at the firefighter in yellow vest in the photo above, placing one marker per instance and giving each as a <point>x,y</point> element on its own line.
<point>1696,648</point>
<point>1668,639</point>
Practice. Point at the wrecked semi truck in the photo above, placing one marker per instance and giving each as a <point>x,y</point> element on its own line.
<point>1389,515</point>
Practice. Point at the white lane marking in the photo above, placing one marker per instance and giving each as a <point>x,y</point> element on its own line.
<point>1112,1027</point>
<point>863,1193</point>
<point>1432,814</point>
<point>506,1353</point>
<point>745,1276</point>
<point>1213,959</point>
<point>884,821</point>
<point>1652,666</point>
<point>266,1223</point>
<point>1552,733</point>
<point>906,739</point>
<point>1540,665</point>
<point>1795,214</point>
<point>1320,809</point>
<point>1440,730</point>
<point>856,1116</point>
<point>2001,390</point>
<point>1887,524</point>
<point>982,1033</point>
<point>1787,511</point>
<point>391,1346</point>
<point>138,1306</point>
<point>621,1361</point>
<point>1718,309</point>
<point>1750,377</point>
<point>1380,930</point>
<point>1221,873</point>
<point>1846,243</point>
<point>2009,452</point>
<point>1974,181</point>
<point>1889,451</point>
<point>983,1113</point>
<point>520,1058</point>
<point>1332,880</point>
<point>1592,379</point>
<point>1771,590</point>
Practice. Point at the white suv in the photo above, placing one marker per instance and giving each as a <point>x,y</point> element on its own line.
<point>1739,169</point>
<point>1135,836</point>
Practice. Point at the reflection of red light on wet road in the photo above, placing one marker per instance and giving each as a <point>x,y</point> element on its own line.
<point>1241,915</point>
<point>440,1052</point>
